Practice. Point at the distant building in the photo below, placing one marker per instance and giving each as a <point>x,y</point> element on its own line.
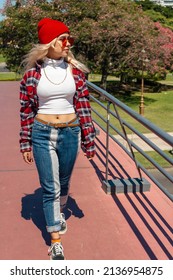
<point>165,3</point>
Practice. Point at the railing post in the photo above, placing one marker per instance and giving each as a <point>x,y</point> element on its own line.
<point>128,142</point>
<point>131,184</point>
<point>107,138</point>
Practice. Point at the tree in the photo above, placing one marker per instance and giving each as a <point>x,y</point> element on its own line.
<point>165,38</point>
<point>110,35</point>
<point>112,38</point>
<point>18,32</point>
<point>157,12</point>
<point>19,29</point>
<point>118,34</point>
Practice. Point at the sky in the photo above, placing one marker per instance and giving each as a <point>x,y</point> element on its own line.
<point>2,2</point>
<point>1,6</point>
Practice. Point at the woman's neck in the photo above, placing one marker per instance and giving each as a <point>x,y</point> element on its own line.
<point>53,62</point>
<point>53,57</point>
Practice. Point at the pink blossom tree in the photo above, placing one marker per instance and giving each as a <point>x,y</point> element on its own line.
<point>113,37</point>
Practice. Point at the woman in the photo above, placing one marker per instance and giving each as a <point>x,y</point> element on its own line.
<point>55,120</point>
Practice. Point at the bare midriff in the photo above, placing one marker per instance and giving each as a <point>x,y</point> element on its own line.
<point>56,118</point>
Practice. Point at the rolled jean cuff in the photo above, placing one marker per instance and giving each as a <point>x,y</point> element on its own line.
<point>54,228</point>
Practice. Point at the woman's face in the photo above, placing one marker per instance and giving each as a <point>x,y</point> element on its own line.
<point>61,47</point>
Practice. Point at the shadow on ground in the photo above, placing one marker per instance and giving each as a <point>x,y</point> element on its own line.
<point>32,209</point>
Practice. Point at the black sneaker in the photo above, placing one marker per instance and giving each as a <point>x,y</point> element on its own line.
<point>63,224</point>
<point>56,251</point>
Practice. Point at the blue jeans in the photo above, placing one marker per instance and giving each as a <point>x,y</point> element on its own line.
<point>55,151</point>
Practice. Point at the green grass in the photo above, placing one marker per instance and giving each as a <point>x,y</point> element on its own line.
<point>9,76</point>
<point>156,115</point>
<point>155,157</point>
<point>169,79</point>
<point>158,110</point>
<point>158,106</point>
<point>97,78</point>
<point>2,58</point>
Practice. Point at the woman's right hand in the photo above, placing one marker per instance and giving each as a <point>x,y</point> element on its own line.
<point>28,157</point>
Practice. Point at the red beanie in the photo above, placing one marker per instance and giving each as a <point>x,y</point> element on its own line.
<point>49,29</point>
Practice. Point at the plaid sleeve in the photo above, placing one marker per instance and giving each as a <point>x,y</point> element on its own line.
<point>83,109</point>
<point>26,115</point>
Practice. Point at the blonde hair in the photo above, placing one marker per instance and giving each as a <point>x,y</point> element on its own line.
<point>39,52</point>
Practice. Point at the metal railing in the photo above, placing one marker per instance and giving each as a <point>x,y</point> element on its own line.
<point>111,101</point>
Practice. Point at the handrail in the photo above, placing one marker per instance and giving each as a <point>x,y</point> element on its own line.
<point>140,119</point>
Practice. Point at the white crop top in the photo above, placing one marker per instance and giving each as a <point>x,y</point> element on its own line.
<point>56,88</point>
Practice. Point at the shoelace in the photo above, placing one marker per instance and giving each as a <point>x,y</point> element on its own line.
<point>57,247</point>
<point>63,222</point>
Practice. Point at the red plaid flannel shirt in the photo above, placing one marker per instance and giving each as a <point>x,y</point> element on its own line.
<point>29,106</point>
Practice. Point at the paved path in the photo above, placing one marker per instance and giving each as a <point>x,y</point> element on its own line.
<point>144,146</point>
<point>161,178</point>
<point>100,226</point>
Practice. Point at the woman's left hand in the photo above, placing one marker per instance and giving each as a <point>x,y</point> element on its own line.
<point>28,157</point>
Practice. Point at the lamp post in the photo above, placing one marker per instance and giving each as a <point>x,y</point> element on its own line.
<point>141,105</point>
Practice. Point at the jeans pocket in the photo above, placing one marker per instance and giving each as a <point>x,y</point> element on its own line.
<point>75,130</point>
<point>37,126</point>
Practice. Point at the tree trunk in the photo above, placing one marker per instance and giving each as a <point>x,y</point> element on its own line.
<point>123,78</point>
<point>104,78</point>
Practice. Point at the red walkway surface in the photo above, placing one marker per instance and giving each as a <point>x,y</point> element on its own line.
<point>100,226</point>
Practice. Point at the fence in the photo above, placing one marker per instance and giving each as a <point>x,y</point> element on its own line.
<point>123,131</point>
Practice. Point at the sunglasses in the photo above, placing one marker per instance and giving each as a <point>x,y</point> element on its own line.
<point>65,39</point>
